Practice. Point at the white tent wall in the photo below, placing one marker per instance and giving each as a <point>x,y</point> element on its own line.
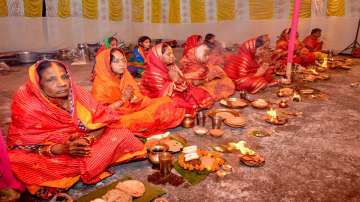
<point>51,33</point>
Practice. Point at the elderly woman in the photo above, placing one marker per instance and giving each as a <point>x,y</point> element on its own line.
<point>251,67</point>
<point>196,67</point>
<point>163,78</point>
<point>59,134</point>
<point>114,86</point>
<point>137,60</point>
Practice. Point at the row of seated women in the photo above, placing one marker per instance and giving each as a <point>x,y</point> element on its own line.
<point>61,134</point>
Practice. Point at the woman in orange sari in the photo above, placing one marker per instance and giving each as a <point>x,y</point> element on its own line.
<point>163,78</point>
<point>210,77</point>
<point>302,55</point>
<point>251,67</point>
<point>191,42</point>
<point>59,133</point>
<point>115,86</point>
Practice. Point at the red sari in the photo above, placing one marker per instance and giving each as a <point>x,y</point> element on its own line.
<point>241,68</point>
<point>191,42</point>
<point>37,121</point>
<point>213,78</point>
<point>312,43</point>
<point>302,55</point>
<point>157,83</point>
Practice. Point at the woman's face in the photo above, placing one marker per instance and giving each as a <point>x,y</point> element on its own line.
<point>55,82</point>
<point>266,43</point>
<point>119,63</point>
<point>168,57</point>
<point>113,44</point>
<point>146,44</point>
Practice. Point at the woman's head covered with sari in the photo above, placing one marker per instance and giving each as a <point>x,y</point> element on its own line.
<point>112,77</point>
<point>155,81</point>
<point>191,42</point>
<point>37,107</point>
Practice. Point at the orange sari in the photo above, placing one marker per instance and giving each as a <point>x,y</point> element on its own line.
<point>143,116</point>
<point>217,84</point>
<point>36,121</point>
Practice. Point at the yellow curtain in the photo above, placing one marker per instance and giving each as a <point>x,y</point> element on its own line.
<point>225,9</point>
<point>90,9</point>
<point>64,8</point>
<point>305,8</point>
<point>174,11</point>
<point>197,11</point>
<point>336,7</point>
<point>155,11</point>
<point>137,10</point>
<point>261,9</point>
<point>33,8</point>
<point>3,8</point>
<point>116,10</point>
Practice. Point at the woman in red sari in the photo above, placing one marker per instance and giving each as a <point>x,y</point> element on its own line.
<point>163,78</point>
<point>251,68</point>
<point>59,133</point>
<point>115,86</point>
<point>191,42</point>
<point>210,77</point>
<point>302,55</point>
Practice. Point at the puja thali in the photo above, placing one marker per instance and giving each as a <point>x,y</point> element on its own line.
<point>234,102</point>
<point>223,113</point>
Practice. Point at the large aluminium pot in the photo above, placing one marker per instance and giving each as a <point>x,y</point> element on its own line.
<point>27,57</point>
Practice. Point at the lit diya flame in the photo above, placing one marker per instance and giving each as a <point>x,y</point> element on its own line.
<point>325,63</point>
<point>272,114</point>
<point>242,148</point>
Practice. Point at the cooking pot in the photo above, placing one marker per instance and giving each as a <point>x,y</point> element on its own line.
<point>27,57</point>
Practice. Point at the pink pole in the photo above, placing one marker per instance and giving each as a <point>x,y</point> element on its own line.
<point>292,38</point>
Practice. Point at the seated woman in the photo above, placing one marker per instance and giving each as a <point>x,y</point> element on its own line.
<point>216,54</point>
<point>302,55</point>
<point>137,60</point>
<point>10,187</point>
<point>251,67</point>
<point>114,86</point>
<point>191,42</point>
<point>59,134</point>
<point>163,78</point>
<point>314,44</point>
<point>210,77</point>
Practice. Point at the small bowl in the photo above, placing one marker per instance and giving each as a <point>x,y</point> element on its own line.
<point>198,130</point>
<point>154,153</point>
<point>216,132</point>
<point>260,104</point>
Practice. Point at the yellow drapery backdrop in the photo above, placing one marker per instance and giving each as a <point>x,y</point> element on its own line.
<point>3,8</point>
<point>174,11</point>
<point>116,10</point>
<point>155,11</point>
<point>225,9</point>
<point>137,10</point>
<point>33,8</point>
<point>336,7</point>
<point>64,8</point>
<point>261,9</point>
<point>305,9</point>
<point>90,9</point>
<point>197,11</point>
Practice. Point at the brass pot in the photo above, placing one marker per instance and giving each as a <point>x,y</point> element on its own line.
<point>188,121</point>
<point>154,153</point>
